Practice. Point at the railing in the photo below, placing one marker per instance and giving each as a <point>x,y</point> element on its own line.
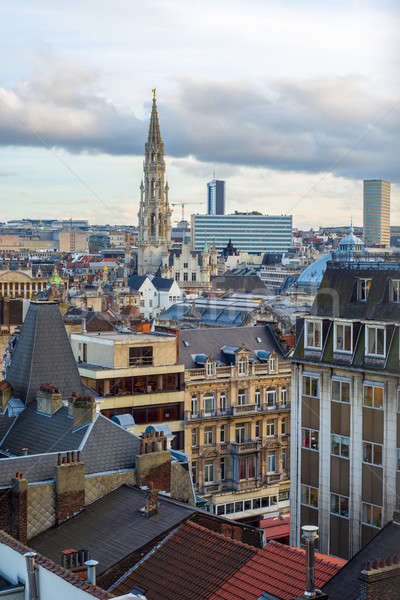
<point>242,409</point>
<point>236,410</point>
<point>244,446</point>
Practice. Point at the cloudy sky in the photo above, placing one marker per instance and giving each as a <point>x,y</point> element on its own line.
<point>292,102</point>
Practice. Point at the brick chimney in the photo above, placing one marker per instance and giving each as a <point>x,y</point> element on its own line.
<point>151,502</point>
<point>153,465</point>
<point>19,508</point>
<point>70,485</point>
<point>82,409</point>
<point>381,579</point>
<point>6,392</point>
<point>49,399</point>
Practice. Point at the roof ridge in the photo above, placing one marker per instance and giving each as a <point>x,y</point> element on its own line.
<point>221,535</point>
<point>322,558</point>
<point>51,566</point>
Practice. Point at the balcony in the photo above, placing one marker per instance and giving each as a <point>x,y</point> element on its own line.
<point>243,447</point>
<point>244,409</point>
<point>236,410</point>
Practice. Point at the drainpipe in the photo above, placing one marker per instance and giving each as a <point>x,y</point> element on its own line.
<point>32,570</point>
<point>91,568</point>
<point>310,536</point>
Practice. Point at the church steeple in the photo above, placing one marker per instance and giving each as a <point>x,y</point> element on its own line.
<point>154,212</point>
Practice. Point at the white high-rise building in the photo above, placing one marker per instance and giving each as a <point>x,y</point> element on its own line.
<point>376,212</point>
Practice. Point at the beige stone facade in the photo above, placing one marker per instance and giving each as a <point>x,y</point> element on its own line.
<point>236,434</point>
<point>21,284</point>
<point>73,240</point>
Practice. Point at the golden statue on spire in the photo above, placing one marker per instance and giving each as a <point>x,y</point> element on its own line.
<point>154,93</point>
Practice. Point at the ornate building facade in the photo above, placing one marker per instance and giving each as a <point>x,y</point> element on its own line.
<point>156,254</point>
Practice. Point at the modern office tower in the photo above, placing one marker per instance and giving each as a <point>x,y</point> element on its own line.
<point>345,424</point>
<point>376,212</point>
<point>248,232</point>
<point>216,197</point>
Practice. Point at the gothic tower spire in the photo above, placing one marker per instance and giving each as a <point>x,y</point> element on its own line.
<point>154,212</point>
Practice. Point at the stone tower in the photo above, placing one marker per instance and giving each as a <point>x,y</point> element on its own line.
<point>154,212</point>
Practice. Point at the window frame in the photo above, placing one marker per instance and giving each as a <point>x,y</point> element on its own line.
<point>392,289</point>
<point>371,507</point>
<point>340,498</point>
<point>310,431</point>
<point>340,381</point>
<point>340,442</point>
<point>307,488</point>
<point>209,467</point>
<point>368,328</point>
<point>310,376</point>
<point>195,437</point>
<point>271,426</point>
<point>363,289</point>
<point>271,454</point>
<point>209,396</point>
<point>366,443</point>
<point>308,322</point>
<point>242,365</point>
<point>242,393</point>
<point>209,434</point>
<point>374,385</point>
<point>271,392</point>
<point>335,337</point>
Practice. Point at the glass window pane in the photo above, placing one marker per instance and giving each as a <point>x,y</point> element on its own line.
<point>345,391</point>
<point>345,447</point>
<point>304,494</point>
<point>377,454</point>
<point>335,503</point>
<point>344,506</point>
<point>314,440</point>
<point>336,390</point>
<point>314,497</point>
<point>368,395</point>
<point>378,397</point>
<point>335,447</point>
<point>380,341</point>
<point>367,453</point>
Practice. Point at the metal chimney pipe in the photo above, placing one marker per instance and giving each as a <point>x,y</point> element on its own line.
<point>32,571</point>
<point>91,568</point>
<point>310,536</point>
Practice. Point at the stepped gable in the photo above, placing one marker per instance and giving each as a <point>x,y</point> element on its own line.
<point>43,354</point>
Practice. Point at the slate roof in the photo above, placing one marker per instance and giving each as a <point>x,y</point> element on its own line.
<point>42,433</point>
<point>112,527</point>
<point>346,585</point>
<point>210,341</point>
<point>43,354</point>
<point>195,563</point>
<point>136,281</point>
<point>104,445</point>
<point>162,284</point>
<point>211,315</point>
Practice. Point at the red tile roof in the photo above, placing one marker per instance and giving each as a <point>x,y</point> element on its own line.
<point>195,563</point>
<point>275,528</point>
<point>279,570</point>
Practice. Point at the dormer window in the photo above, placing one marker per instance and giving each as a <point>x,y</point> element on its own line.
<point>272,364</point>
<point>210,367</point>
<point>364,285</point>
<point>242,366</point>
<point>313,337</point>
<point>375,341</point>
<point>343,337</point>
<point>395,290</point>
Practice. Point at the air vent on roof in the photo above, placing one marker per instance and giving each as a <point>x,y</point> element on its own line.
<point>258,340</point>
<point>185,343</point>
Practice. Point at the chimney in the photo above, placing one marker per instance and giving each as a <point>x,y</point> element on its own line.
<point>151,501</point>
<point>82,409</point>
<point>70,486</point>
<point>33,575</point>
<point>381,579</point>
<point>84,325</point>
<point>19,508</point>
<point>49,399</point>
<point>153,464</point>
<point>91,567</point>
<point>310,536</point>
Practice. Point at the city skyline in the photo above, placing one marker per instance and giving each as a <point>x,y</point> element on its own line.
<point>284,133</point>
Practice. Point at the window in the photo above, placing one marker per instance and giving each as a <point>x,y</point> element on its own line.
<point>195,437</point>
<point>372,453</point>
<point>340,505</point>
<point>209,404</point>
<point>283,495</point>
<point>185,277</point>
<point>313,338</point>
<point>375,341</point>
<point>373,396</point>
<point>222,433</point>
<point>371,515</point>
<point>258,429</point>
<point>284,426</point>
<point>209,471</point>
<point>194,471</point>
<point>258,398</point>
<point>195,406</point>
<point>210,367</point>
<point>284,459</point>
<point>311,386</point>
<point>340,391</point>
<point>222,402</point>
<point>240,433</point>
<point>271,398</point>
<point>209,435</point>
<point>247,467</point>
<point>242,397</point>
<point>177,276</point>
<point>271,461</point>
<point>309,496</point>
<point>340,446</point>
<point>270,427</point>
<point>140,356</point>
<point>272,364</point>
<point>242,366</point>
<point>343,337</point>
<point>193,276</point>
<point>185,265</point>
<point>284,397</point>
<point>398,459</point>
<point>222,467</point>
<point>364,285</point>
<point>395,290</point>
<point>310,438</point>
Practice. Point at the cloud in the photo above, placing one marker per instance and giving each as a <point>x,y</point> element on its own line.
<point>327,124</point>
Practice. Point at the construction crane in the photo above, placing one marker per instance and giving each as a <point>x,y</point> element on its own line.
<point>182,205</point>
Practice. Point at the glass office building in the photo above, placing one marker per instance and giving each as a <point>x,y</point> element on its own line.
<point>216,197</point>
<point>376,212</point>
<point>253,233</point>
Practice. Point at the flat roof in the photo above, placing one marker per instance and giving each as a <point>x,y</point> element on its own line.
<point>116,337</point>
